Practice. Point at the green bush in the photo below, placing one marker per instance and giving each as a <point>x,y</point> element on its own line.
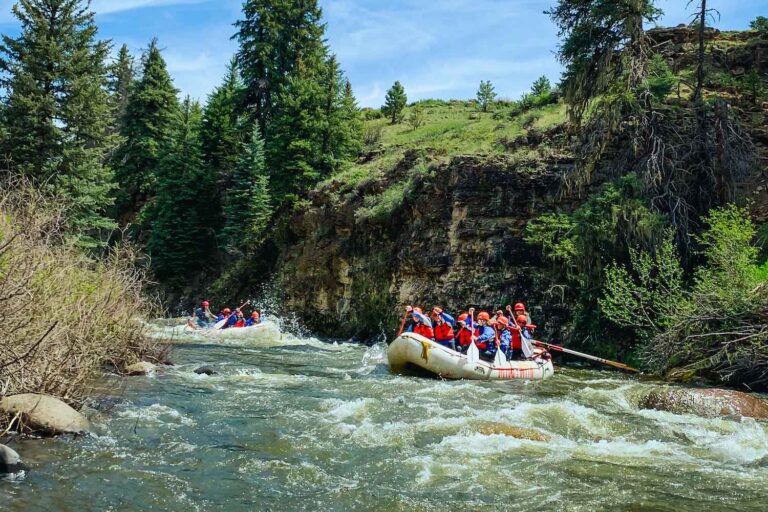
<point>378,208</point>
<point>660,81</point>
<point>712,326</point>
<point>760,24</point>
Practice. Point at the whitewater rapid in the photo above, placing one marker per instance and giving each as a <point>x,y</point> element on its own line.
<point>292,422</point>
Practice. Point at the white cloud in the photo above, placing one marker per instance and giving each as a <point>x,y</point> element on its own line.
<point>110,6</point>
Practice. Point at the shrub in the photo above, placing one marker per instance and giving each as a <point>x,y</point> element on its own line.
<point>660,81</point>
<point>417,117</point>
<point>64,315</point>
<point>378,208</point>
<point>760,24</point>
<point>372,135</point>
<point>714,326</point>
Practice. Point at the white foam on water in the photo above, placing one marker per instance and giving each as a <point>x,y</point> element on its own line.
<point>158,414</point>
<point>342,410</point>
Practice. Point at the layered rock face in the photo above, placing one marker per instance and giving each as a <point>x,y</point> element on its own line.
<point>455,241</point>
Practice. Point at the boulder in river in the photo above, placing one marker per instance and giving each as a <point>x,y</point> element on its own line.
<point>140,368</point>
<point>493,428</point>
<point>45,414</point>
<point>206,370</point>
<point>709,403</point>
<point>10,462</point>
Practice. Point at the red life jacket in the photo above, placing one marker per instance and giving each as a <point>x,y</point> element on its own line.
<point>423,330</point>
<point>240,323</point>
<point>444,332</point>
<point>464,337</point>
<point>517,341</point>
<point>482,345</point>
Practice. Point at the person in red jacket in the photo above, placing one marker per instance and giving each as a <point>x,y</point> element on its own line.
<point>421,324</point>
<point>443,323</point>
<point>521,347</point>
<point>463,333</point>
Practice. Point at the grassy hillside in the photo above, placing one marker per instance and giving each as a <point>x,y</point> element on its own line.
<point>449,128</point>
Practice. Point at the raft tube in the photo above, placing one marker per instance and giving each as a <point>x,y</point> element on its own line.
<point>230,331</point>
<point>414,349</point>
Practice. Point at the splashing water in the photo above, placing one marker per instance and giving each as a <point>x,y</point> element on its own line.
<point>291,422</point>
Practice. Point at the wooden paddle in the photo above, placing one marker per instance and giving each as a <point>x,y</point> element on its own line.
<point>558,348</point>
<point>221,323</point>
<point>402,324</point>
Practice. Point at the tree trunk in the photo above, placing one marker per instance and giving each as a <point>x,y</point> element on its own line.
<point>702,47</point>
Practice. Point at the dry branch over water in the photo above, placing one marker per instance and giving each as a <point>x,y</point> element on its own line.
<point>64,315</point>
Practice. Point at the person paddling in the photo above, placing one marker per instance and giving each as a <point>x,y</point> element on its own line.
<point>503,334</point>
<point>254,320</point>
<point>444,324</point>
<point>203,315</point>
<point>520,310</point>
<point>239,319</point>
<point>421,324</point>
<point>521,347</point>
<point>485,336</point>
<point>463,333</point>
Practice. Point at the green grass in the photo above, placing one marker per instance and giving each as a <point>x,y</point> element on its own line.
<point>450,129</point>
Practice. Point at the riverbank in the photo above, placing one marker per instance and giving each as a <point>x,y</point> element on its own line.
<point>66,313</point>
<point>298,423</point>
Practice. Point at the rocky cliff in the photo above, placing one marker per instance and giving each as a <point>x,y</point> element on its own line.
<point>454,241</point>
<point>442,229</point>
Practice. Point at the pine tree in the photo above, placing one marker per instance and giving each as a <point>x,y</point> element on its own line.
<point>222,137</point>
<point>274,35</point>
<point>316,130</point>
<point>395,102</point>
<point>181,241</point>
<point>295,146</point>
<point>343,128</point>
<point>248,208</point>
<point>121,77</point>
<point>145,126</point>
<point>486,94</point>
<point>541,86</point>
<point>56,114</point>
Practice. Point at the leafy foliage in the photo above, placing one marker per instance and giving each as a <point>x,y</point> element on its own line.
<point>660,80</point>
<point>416,118</point>
<point>486,95</point>
<point>56,117</point>
<point>760,24</point>
<point>394,103</point>
<point>714,325</point>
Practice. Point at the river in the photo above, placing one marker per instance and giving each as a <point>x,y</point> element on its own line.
<point>296,423</point>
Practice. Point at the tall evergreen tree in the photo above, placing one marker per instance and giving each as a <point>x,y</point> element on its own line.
<point>315,131</point>
<point>181,241</point>
<point>56,113</point>
<point>395,102</point>
<point>222,135</point>
<point>121,77</point>
<point>274,35</point>
<point>248,208</point>
<point>146,124</point>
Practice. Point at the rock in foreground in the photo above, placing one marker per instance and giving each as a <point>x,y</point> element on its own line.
<point>141,368</point>
<point>10,462</point>
<point>709,403</point>
<point>45,414</point>
<point>206,370</point>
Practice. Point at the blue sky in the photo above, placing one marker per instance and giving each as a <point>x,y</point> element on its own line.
<point>436,48</point>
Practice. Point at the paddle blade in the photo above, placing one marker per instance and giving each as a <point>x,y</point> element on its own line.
<point>473,354</point>
<point>219,324</point>
<point>500,359</point>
